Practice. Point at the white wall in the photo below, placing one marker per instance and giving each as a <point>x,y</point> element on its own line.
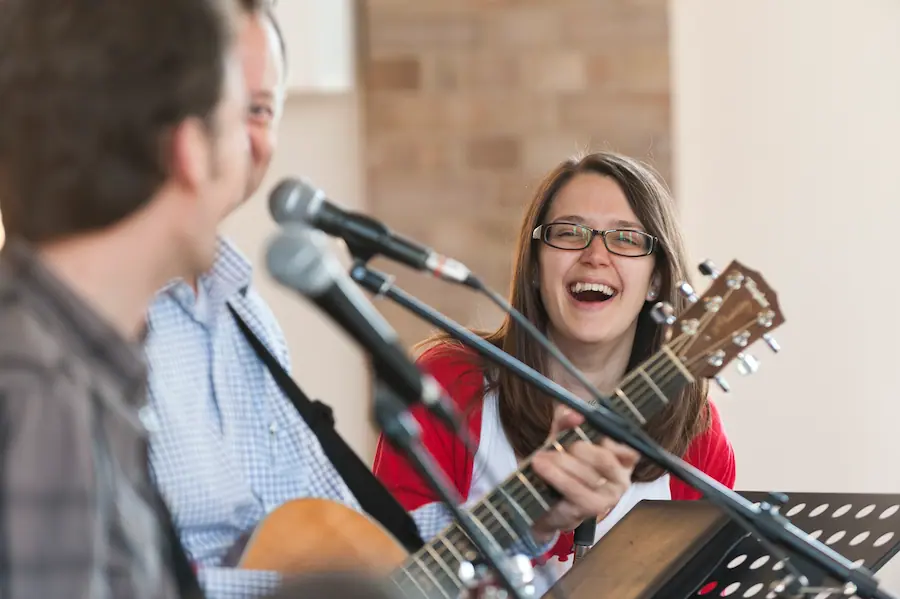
<point>320,138</point>
<point>787,118</point>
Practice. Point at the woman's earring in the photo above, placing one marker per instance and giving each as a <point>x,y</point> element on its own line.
<point>653,291</point>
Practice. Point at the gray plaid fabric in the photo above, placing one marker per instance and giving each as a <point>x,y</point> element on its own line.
<point>79,518</point>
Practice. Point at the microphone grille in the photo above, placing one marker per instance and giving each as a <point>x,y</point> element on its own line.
<point>291,200</point>
<point>298,258</point>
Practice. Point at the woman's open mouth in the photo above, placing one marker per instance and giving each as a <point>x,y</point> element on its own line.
<point>591,293</point>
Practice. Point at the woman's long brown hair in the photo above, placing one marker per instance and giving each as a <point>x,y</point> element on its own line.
<point>526,413</point>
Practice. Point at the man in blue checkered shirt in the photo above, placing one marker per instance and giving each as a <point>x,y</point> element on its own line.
<point>227,447</point>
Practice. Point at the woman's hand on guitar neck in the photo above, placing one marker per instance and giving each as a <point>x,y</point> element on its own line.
<point>591,478</point>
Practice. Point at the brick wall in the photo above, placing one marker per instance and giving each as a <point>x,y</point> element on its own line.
<point>468,102</point>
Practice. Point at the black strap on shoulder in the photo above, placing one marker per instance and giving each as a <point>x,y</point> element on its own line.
<point>373,497</point>
<point>182,569</point>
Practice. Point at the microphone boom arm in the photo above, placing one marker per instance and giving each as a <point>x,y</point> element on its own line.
<point>763,521</point>
<point>402,431</point>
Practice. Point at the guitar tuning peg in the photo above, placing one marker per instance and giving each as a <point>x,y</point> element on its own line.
<point>688,292</point>
<point>663,313</point>
<point>708,269</point>
<point>722,383</point>
<point>747,364</point>
<point>770,341</point>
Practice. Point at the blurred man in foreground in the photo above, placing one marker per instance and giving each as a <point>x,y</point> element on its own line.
<point>122,130</point>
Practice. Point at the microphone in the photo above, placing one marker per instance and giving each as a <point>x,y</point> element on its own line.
<point>762,520</point>
<point>297,200</point>
<point>299,259</point>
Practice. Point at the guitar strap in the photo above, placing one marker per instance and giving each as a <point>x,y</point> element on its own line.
<point>182,570</point>
<point>373,497</point>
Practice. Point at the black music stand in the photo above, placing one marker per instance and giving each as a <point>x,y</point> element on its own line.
<point>864,528</point>
<point>719,559</point>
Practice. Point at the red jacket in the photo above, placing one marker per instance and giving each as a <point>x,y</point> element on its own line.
<point>456,371</point>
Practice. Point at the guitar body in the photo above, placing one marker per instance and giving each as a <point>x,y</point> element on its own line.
<point>318,535</point>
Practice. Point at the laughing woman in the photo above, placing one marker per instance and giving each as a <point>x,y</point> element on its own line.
<point>599,246</point>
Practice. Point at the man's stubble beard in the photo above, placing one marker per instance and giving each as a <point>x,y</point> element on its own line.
<point>254,182</point>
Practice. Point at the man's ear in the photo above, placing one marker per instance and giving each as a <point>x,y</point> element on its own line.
<point>189,155</point>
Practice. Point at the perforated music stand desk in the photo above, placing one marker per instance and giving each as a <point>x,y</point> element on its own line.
<point>682,549</point>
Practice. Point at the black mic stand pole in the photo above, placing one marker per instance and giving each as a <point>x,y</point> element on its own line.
<point>402,431</point>
<point>764,521</point>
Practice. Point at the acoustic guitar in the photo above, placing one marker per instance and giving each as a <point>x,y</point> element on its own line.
<point>316,535</point>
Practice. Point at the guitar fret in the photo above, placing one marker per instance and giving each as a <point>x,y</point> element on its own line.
<point>431,576</point>
<point>674,359</point>
<point>621,395</point>
<point>445,566</point>
<point>568,437</point>
<point>456,554</point>
<point>652,384</point>
<point>414,581</point>
<point>399,586</point>
<point>516,506</point>
<point>642,394</point>
<point>580,432</point>
<point>501,519</point>
<point>462,542</point>
<point>656,381</point>
<point>533,491</point>
<point>484,530</point>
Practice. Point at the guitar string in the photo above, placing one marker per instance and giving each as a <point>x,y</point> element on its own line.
<point>526,494</point>
<point>422,565</point>
<point>668,366</point>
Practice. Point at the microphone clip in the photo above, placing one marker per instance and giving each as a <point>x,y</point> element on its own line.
<point>359,270</point>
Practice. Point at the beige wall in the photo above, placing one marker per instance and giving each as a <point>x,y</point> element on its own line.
<point>320,139</point>
<point>785,154</point>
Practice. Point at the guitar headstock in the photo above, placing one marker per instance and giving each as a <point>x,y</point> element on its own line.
<point>738,309</point>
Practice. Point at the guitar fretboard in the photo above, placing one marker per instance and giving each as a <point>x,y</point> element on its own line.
<point>524,497</point>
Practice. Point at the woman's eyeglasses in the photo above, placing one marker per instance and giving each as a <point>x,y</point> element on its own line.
<point>570,236</point>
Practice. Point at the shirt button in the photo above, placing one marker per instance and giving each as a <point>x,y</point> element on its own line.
<point>148,418</point>
<point>273,429</point>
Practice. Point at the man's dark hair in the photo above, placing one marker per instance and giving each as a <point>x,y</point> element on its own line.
<point>90,93</point>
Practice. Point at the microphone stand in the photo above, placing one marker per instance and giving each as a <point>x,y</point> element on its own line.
<point>401,429</point>
<point>763,521</point>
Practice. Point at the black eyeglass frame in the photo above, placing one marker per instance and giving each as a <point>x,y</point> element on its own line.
<point>538,233</point>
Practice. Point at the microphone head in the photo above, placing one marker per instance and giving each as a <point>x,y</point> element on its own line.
<point>295,200</point>
<point>298,257</point>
